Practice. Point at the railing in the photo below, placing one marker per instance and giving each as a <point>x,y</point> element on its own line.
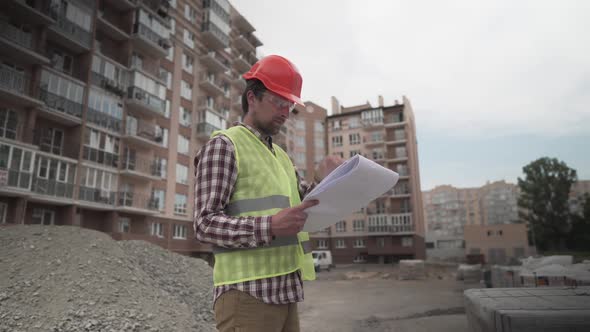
<point>219,59</point>
<point>104,120</point>
<point>100,156</point>
<point>391,223</point>
<point>60,104</point>
<point>71,29</point>
<point>147,99</point>
<point>95,195</point>
<point>209,26</point>
<point>14,80</point>
<point>135,200</point>
<point>144,130</point>
<point>117,87</point>
<point>212,80</point>
<point>149,34</point>
<point>141,165</point>
<point>53,188</point>
<point>16,35</point>
<point>391,229</point>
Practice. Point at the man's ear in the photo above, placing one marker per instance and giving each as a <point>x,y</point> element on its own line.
<point>251,97</point>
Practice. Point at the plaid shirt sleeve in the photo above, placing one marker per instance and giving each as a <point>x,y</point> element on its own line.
<point>215,178</point>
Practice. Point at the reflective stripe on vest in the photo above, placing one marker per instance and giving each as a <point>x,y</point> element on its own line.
<point>277,242</point>
<point>257,204</point>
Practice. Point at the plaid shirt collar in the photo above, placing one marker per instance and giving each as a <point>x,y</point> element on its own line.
<point>267,140</point>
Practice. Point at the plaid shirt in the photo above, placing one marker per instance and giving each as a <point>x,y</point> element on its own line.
<point>216,174</point>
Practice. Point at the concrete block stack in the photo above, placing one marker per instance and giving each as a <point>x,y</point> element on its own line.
<point>528,309</point>
<point>411,269</point>
<point>470,273</point>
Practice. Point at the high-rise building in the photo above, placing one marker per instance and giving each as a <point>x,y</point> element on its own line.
<point>390,227</point>
<point>105,104</point>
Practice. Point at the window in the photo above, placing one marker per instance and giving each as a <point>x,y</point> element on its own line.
<point>489,233</point>
<point>359,243</point>
<point>181,174</point>
<point>407,241</point>
<point>179,232</point>
<point>381,242</point>
<point>300,158</point>
<point>43,217</point>
<point>180,204</point>
<point>157,229</point>
<point>162,134</point>
<point>105,110</point>
<point>336,125</point>
<point>372,116</point>
<point>186,90</point>
<point>167,104</point>
<point>124,225</point>
<point>101,148</point>
<point>159,197</point>
<point>358,225</point>
<point>336,140</point>
<point>182,146</point>
<point>299,124</point>
<point>376,136</point>
<point>190,13</point>
<point>340,244</point>
<point>187,63</point>
<point>354,138</point>
<point>300,141</point>
<point>167,76</point>
<point>76,15</point>
<point>341,226</point>
<point>170,55</point>
<point>400,152</point>
<point>184,116</point>
<point>161,166</point>
<point>61,87</point>
<point>354,123</point>
<point>8,123</point>
<point>377,154</point>
<point>499,232</point>
<point>322,244</point>
<point>61,60</point>
<point>189,38</point>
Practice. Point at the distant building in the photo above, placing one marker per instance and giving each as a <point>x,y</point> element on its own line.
<point>577,196</point>
<point>499,243</point>
<point>391,227</point>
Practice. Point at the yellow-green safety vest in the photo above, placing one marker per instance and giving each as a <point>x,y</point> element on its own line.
<point>266,184</point>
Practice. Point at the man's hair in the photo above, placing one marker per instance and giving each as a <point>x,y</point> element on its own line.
<point>257,87</point>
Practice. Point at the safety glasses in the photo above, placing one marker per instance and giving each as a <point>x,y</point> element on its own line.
<point>279,102</point>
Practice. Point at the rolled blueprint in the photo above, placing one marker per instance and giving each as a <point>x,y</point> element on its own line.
<point>347,189</point>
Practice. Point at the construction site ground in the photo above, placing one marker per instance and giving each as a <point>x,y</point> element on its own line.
<point>370,297</point>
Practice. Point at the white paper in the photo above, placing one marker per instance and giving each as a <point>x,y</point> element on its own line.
<point>347,189</point>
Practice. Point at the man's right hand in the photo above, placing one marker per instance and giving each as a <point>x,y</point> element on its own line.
<point>290,221</point>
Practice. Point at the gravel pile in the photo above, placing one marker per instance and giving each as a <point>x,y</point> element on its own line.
<point>63,278</point>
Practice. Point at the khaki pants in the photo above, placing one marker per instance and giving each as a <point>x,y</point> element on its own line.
<point>238,311</point>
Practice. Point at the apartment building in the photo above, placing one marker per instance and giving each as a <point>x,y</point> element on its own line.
<point>577,196</point>
<point>448,209</point>
<point>391,227</point>
<point>104,106</point>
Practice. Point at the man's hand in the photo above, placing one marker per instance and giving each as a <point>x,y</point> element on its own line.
<point>290,221</point>
<point>327,166</point>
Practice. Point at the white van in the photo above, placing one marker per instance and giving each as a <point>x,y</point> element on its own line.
<point>322,259</point>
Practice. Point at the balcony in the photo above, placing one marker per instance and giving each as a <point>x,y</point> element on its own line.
<point>18,45</point>
<point>242,63</point>
<point>400,190</point>
<point>111,29</point>
<point>104,120</point>
<point>117,86</point>
<point>133,202</point>
<point>143,134</point>
<point>144,102</point>
<point>242,23</point>
<point>204,130</point>
<point>53,188</point>
<point>15,87</point>
<point>120,5</point>
<point>247,44</point>
<point>60,109</point>
<point>147,40</point>
<point>239,83</point>
<point>385,224</point>
<point>211,85</point>
<point>140,168</point>
<point>395,124</point>
<point>214,63</point>
<point>98,196</point>
<point>213,36</point>
<point>99,156</point>
<point>27,13</point>
<point>69,35</point>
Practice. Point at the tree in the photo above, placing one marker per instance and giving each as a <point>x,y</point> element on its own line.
<point>543,200</point>
<point>580,233</point>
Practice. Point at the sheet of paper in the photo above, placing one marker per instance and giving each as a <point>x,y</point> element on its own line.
<point>347,189</point>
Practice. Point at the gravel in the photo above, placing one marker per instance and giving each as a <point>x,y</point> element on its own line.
<point>67,278</point>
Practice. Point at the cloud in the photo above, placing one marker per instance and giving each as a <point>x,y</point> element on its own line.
<point>470,68</point>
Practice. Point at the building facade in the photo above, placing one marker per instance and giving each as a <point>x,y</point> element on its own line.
<point>104,106</point>
<point>498,243</point>
<point>448,210</point>
<point>391,227</point>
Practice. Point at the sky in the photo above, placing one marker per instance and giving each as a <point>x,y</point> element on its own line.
<point>494,85</point>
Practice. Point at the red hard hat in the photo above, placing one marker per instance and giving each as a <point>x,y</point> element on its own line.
<point>279,75</point>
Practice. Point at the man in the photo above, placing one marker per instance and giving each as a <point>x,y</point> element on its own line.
<point>248,205</point>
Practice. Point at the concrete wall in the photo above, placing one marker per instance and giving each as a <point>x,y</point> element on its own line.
<point>498,243</point>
